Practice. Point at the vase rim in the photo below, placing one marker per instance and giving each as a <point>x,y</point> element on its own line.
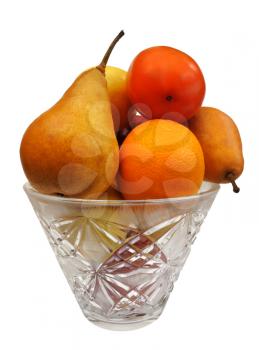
<point>207,189</point>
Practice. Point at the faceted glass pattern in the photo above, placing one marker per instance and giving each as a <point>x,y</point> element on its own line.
<point>121,258</point>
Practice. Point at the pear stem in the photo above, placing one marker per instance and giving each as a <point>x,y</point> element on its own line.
<point>230,178</point>
<point>102,65</point>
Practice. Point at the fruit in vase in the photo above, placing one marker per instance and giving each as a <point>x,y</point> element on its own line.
<point>111,194</point>
<point>168,81</point>
<point>117,89</point>
<point>121,135</point>
<point>221,144</point>
<point>160,159</point>
<point>72,147</point>
<point>138,114</point>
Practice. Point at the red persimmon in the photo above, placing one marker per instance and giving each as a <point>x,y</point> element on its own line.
<point>168,81</point>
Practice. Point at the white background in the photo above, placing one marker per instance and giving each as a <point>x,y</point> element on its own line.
<point>44,45</point>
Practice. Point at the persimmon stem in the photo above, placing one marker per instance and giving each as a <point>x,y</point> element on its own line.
<point>230,178</point>
<point>104,61</point>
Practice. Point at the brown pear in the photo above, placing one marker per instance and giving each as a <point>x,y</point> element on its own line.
<point>221,143</point>
<point>72,149</point>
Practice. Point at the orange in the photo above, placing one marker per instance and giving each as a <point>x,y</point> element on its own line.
<point>160,159</point>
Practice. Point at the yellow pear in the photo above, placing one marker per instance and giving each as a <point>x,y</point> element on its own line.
<point>117,89</point>
<point>111,194</point>
<point>72,147</point>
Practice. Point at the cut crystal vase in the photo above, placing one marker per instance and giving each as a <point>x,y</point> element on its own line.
<point>121,258</point>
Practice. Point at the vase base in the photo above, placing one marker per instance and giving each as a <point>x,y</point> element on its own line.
<point>112,326</point>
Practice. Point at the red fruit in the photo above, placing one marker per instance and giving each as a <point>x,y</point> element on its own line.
<point>121,135</point>
<point>168,81</point>
<point>138,114</point>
